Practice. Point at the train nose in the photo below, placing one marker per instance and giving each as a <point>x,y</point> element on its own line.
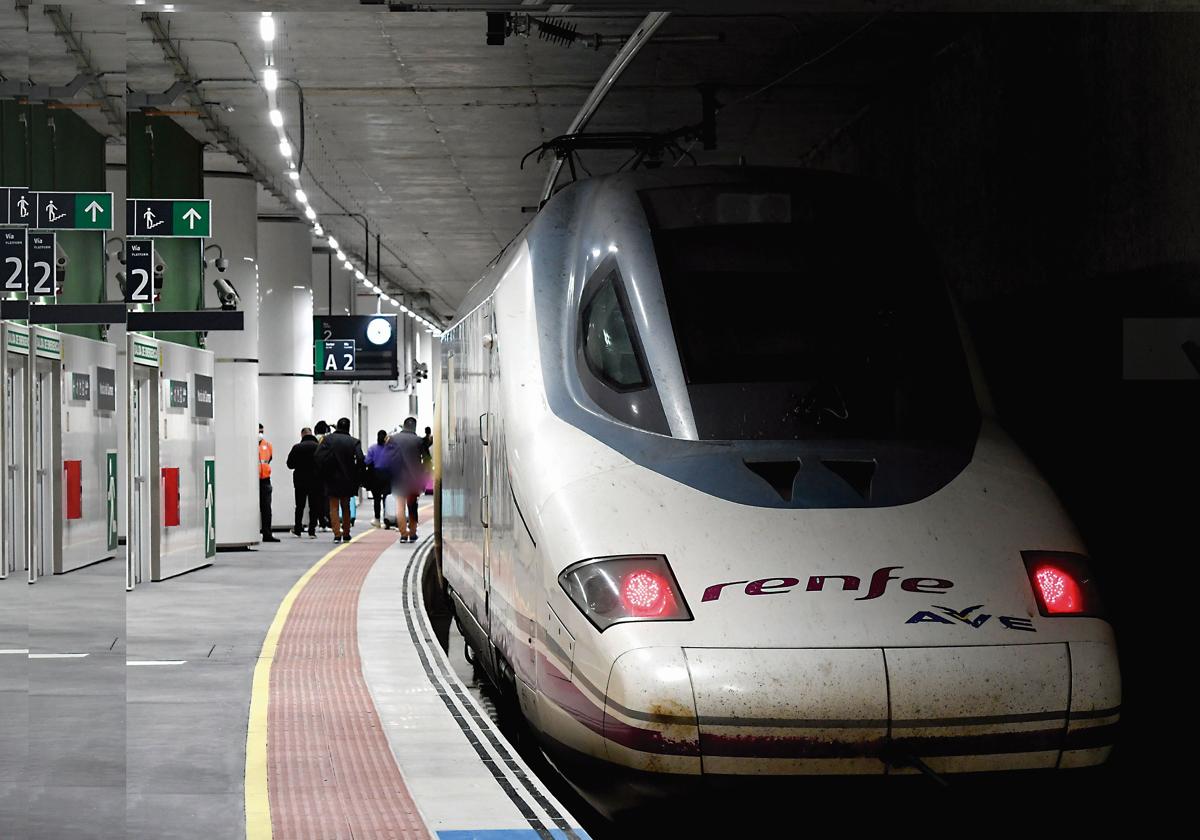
<point>861,710</point>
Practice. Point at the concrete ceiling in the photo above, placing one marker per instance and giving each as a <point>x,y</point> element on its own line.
<point>413,121</point>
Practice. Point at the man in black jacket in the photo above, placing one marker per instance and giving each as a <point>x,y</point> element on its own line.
<point>305,482</point>
<point>339,461</point>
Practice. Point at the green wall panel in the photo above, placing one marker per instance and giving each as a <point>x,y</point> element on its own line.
<point>68,154</point>
<point>14,150</point>
<point>165,161</point>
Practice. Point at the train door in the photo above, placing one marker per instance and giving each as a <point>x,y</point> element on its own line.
<point>139,539</point>
<point>486,423</point>
<point>12,516</point>
<point>43,464</point>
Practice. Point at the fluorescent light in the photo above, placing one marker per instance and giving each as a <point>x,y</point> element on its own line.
<point>318,230</point>
<point>270,79</point>
<point>301,197</point>
<point>285,148</point>
<point>333,244</point>
<point>341,257</point>
<point>310,213</point>
<point>266,28</point>
<point>346,265</point>
<point>394,302</point>
<point>294,175</point>
<point>276,117</point>
<point>359,274</point>
<point>412,314</point>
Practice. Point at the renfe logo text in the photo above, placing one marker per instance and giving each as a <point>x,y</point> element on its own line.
<point>850,583</point>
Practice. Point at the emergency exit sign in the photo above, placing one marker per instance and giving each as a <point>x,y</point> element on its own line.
<point>178,217</point>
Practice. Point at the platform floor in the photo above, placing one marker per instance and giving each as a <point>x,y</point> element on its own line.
<point>315,661</point>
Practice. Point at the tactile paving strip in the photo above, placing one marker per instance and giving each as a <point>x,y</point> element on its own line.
<point>330,772</point>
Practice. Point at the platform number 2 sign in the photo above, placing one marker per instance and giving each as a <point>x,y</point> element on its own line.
<point>41,264</point>
<point>12,255</point>
<point>139,288</point>
<point>339,355</point>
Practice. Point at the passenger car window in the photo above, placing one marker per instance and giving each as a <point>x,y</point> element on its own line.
<point>608,344</point>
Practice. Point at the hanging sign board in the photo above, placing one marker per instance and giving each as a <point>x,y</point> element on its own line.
<point>139,264</point>
<point>374,354</point>
<point>178,217</point>
<point>73,211</point>
<point>41,264</point>
<point>16,208</point>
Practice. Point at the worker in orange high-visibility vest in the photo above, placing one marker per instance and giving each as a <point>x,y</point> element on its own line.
<point>265,455</point>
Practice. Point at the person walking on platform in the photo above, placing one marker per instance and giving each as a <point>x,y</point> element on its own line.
<point>379,481</point>
<point>339,461</point>
<point>265,455</point>
<point>407,477</point>
<point>305,482</point>
<point>320,430</point>
<point>427,460</point>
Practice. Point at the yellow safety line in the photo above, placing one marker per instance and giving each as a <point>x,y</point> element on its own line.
<point>258,803</point>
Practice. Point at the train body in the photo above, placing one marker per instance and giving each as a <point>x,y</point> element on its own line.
<point>721,495</point>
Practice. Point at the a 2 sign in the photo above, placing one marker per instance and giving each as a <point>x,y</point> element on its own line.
<point>28,262</point>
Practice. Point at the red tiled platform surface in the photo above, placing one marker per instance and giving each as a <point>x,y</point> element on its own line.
<point>330,772</point>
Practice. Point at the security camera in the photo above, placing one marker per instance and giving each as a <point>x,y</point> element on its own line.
<point>226,293</point>
<point>119,253</point>
<point>222,264</point>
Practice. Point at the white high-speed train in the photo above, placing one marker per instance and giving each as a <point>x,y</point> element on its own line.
<point>721,494</point>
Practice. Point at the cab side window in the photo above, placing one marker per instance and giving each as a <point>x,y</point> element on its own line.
<point>608,345</point>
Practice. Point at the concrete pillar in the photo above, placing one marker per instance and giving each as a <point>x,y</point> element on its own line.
<point>285,347</point>
<point>235,385</point>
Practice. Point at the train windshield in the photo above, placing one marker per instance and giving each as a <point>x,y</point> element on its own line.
<point>808,311</point>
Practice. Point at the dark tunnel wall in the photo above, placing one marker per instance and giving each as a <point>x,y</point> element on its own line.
<point>1056,163</point>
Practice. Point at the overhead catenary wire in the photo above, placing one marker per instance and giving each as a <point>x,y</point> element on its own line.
<point>808,62</point>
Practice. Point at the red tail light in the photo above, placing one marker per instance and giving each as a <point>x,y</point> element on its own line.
<point>644,593</point>
<point>609,590</point>
<point>1063,584</point>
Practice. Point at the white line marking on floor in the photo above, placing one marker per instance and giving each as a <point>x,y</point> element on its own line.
<point>133,662</point>
<point>57,655</point>
<point>21,651</point>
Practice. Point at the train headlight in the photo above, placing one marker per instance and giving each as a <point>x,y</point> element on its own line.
<point>611,590</point>
<point>1062,583</point>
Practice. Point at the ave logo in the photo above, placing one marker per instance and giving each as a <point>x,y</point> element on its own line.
<point>969,617</point>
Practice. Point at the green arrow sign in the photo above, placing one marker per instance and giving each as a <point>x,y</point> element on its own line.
<point>73,211</point>
<point>93,211</point>
<point>178,217</point>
